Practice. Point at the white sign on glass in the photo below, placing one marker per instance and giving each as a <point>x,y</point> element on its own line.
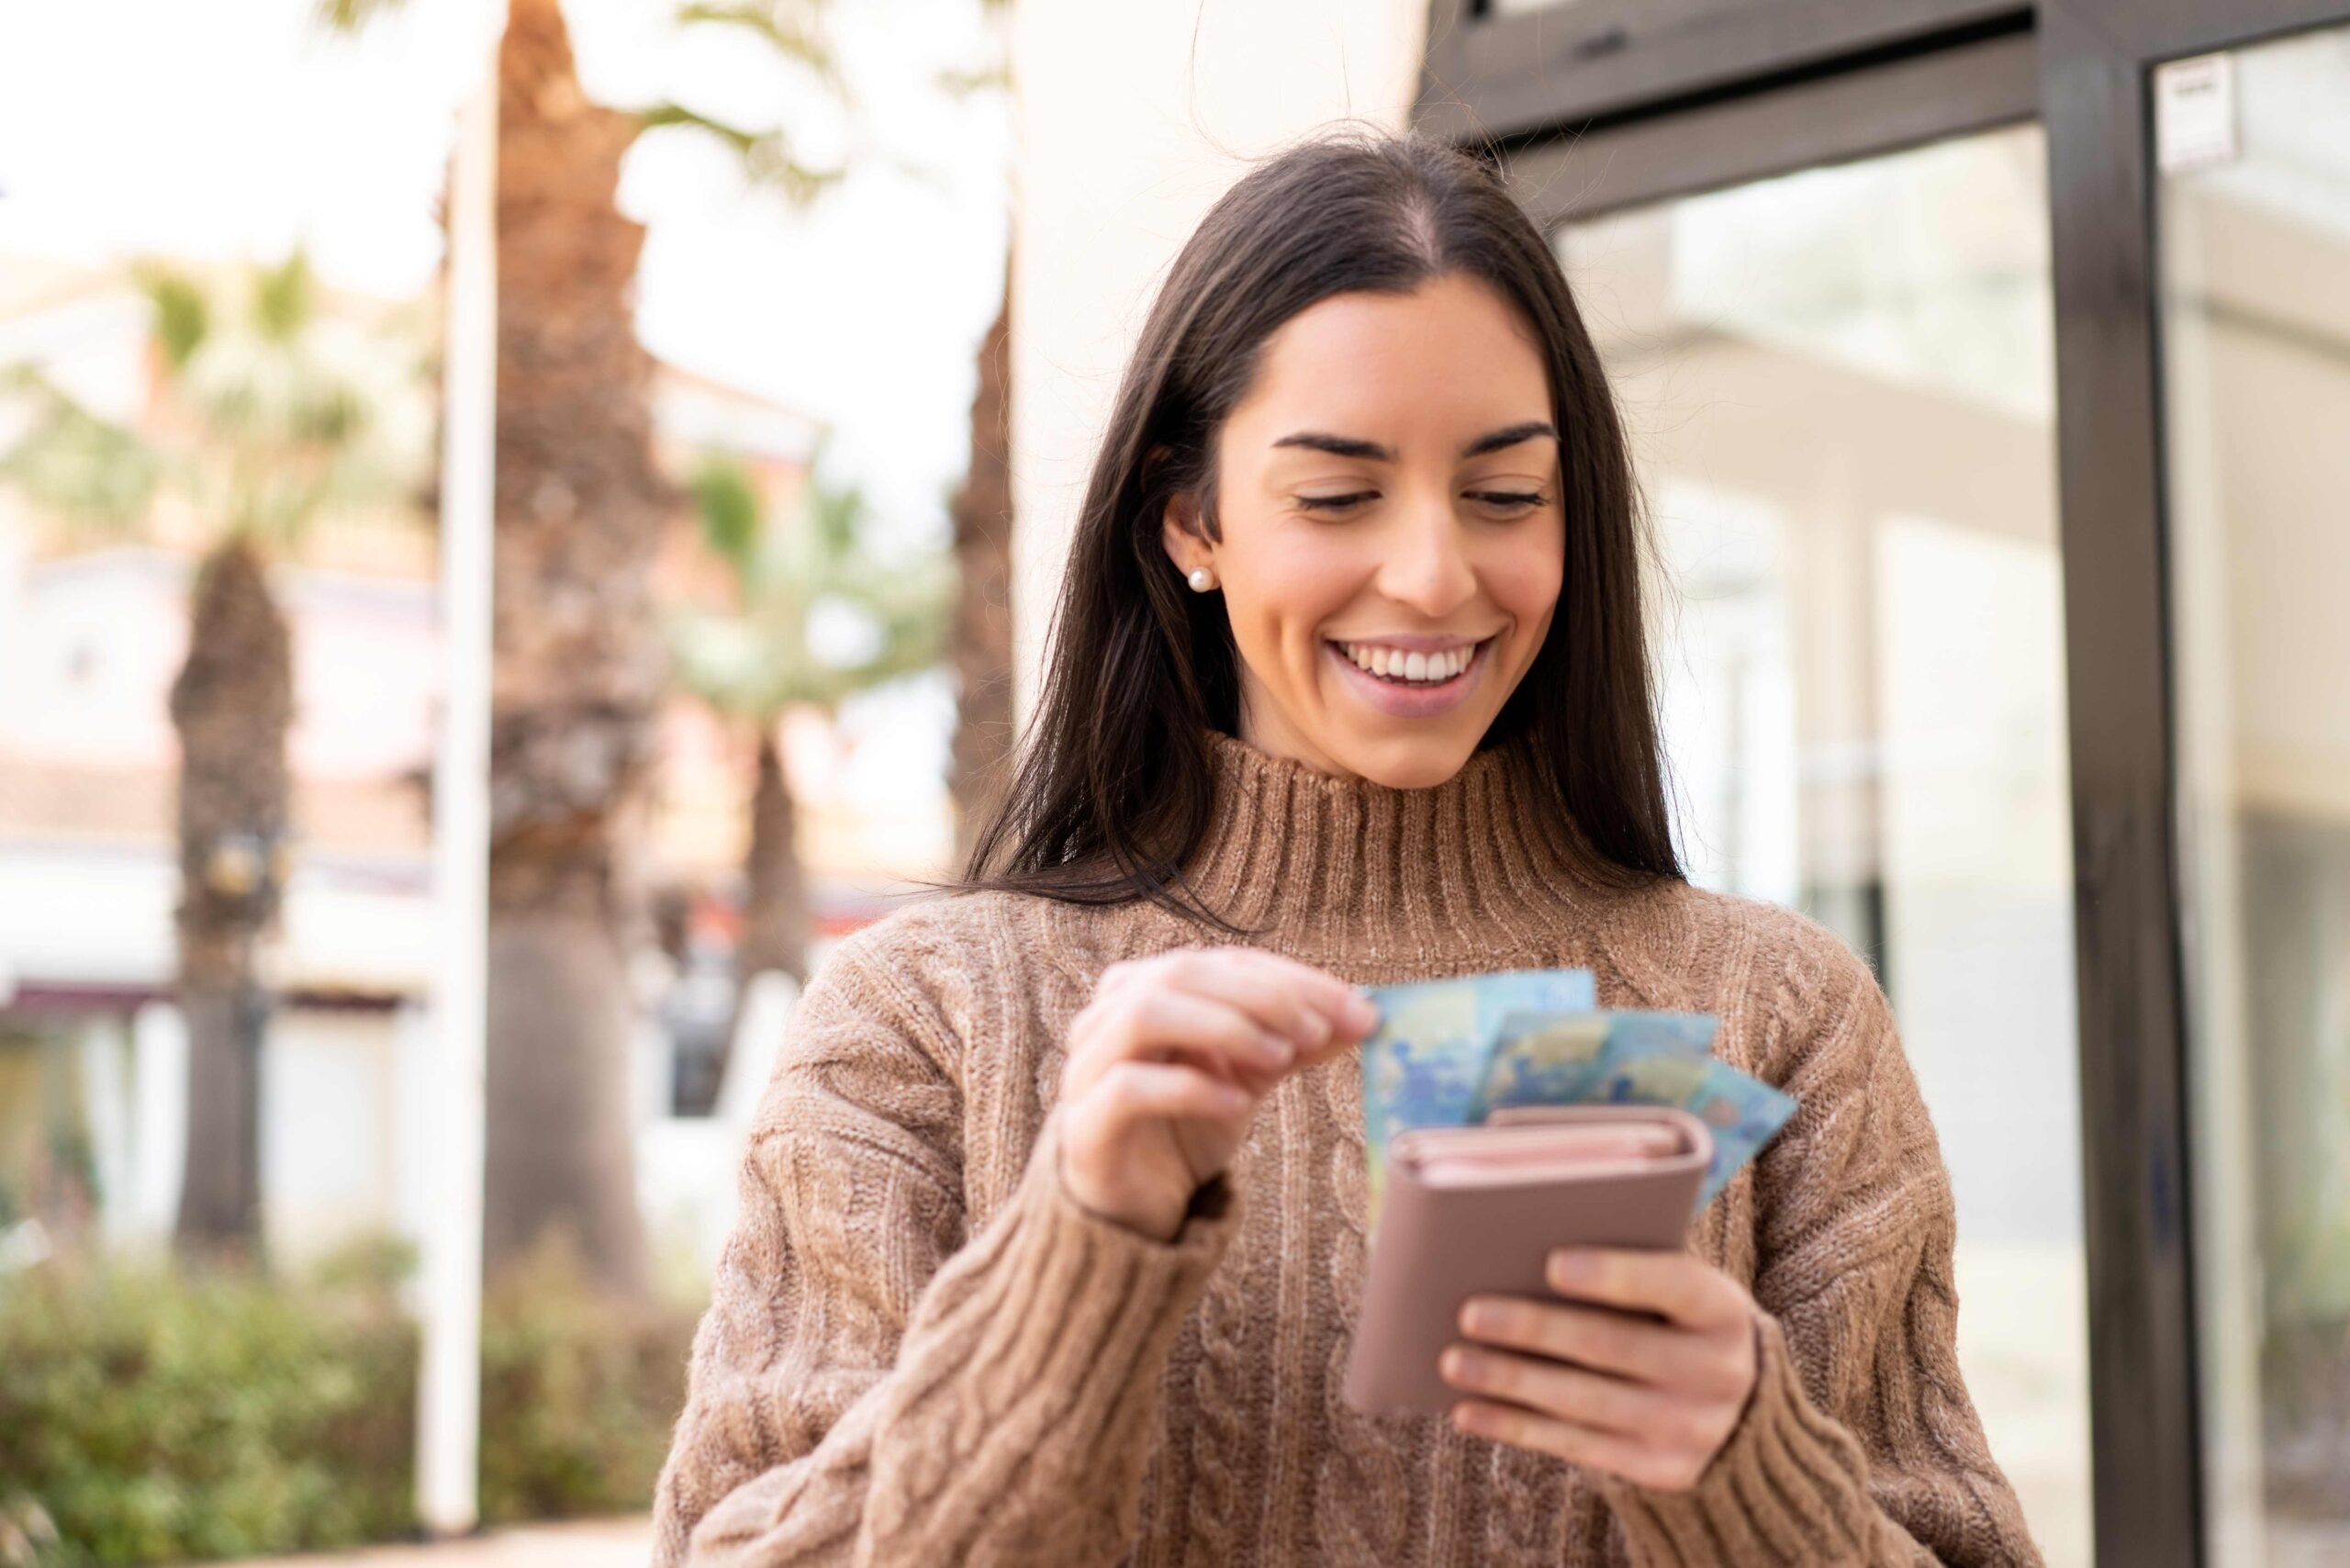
<point>2194,113</point>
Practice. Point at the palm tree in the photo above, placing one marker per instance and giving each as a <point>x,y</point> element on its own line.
<point>577,654</point>
<point>576,671</point>
<point>795,579</point>
<point>267,417</point>
<point>981,509</point>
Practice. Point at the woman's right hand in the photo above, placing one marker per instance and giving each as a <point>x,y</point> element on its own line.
<point>1166,1065</point>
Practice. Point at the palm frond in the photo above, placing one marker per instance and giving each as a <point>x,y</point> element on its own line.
<point>84,470</point>
<point>181,318</point>
<point>792,30</point>
<point>725,662</point>
<point>352,15</point>
<point>278,415</point>
<point>283,300</point>
<point>801,574</point>
<point>727,502</point>
<point>961,84</point>
<point>914,612</point>
<point>838,517</point>
<point>767,156</point>
<point>663,114</point>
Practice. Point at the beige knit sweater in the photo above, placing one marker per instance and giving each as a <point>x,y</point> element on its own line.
<point>921,1352</point>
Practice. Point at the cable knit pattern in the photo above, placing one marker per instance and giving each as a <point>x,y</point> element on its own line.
<point>920,1350</point>
<point>1229,1419</point>
<point>1363,1491</point>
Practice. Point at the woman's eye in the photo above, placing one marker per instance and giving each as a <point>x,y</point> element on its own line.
<point>1335,503</point>
<point>1499,500</point>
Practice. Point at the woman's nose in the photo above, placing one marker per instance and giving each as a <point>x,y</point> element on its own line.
<point>1427,568</point>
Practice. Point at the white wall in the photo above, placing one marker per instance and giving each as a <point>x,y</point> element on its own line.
<point>92,642</point>
<point>1130,121</point>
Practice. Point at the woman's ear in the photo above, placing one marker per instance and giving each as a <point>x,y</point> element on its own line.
<point>1180,532</point>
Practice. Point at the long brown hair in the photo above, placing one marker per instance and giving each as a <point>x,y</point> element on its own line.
<point>1113,790</point>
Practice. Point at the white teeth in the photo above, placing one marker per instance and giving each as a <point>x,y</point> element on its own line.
<point>1394,664</point>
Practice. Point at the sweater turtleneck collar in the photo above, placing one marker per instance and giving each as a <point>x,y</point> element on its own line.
<point>1327,864</point>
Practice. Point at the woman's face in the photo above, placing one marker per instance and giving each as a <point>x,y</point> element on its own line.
<point>1392,537</point>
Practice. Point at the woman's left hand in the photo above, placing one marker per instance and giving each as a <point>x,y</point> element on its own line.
<point>1595,1382</point>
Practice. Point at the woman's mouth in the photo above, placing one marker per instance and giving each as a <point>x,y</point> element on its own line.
<point>1411,683</point>
<point>1409,668</point>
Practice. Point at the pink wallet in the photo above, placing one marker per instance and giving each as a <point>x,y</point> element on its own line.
<point>1477,1209</point>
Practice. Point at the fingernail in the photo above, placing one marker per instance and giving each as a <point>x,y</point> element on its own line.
<point>1360,1012</point>
<point>1458,1364</point>
<point>1318,1028</point>
<point>1569,1267</point>
<point>1476,1318</point>
<point>1274,1051</point>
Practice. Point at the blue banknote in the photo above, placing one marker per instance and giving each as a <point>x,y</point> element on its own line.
<point>1636,1059</point>
<point>1543,1059</point>
<point>1423,1066</point>
<point>1448,1052</point>
<point>1743,1113</point>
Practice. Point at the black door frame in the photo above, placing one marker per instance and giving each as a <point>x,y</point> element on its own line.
<point>1491,77</point>
<point>1773,128</point>
<point>1606,104</point>
<point>2097,62</point>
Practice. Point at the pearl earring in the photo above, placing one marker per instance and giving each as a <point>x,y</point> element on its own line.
<point>1201,580</point>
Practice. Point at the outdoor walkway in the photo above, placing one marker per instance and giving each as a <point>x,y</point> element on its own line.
<point>595,1543</point>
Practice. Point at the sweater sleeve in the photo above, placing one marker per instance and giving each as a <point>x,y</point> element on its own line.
<point>869,1385</point>
<point>1859,1444</point>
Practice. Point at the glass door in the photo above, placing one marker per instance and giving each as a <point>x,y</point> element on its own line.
<point>1840,387</point>
<point>2017,655</point>
<point>2252,201</point>
<point>2199,172</point>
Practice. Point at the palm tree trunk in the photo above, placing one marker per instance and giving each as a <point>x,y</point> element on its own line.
<point>983,637</point>
<point>232,704</point>
<point>577,674</point>
<point>775,917</point>
<point>774,906</point>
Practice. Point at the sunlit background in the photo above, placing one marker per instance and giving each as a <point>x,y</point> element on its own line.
<point>810,314</point>
<point>222,249</point>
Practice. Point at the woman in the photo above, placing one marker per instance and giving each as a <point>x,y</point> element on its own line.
<point>1053,1226</point>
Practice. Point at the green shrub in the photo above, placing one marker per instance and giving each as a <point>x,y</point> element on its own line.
<point>579,1393</point>
<point>152,1416</point>
<point>148,1414</point>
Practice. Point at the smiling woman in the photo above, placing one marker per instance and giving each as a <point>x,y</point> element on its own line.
<point>1054,1234</point>
<point>1398,442</point>
<point>1407,568</point>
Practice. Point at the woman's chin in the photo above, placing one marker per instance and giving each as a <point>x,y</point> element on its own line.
<point>1411,761</point>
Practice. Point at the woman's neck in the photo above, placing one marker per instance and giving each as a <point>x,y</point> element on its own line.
<point>1265,729</point>
<point>1330,864</point>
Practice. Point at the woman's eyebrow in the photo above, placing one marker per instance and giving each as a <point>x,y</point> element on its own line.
<point>1350,446</point>
<point>1509,435</point>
